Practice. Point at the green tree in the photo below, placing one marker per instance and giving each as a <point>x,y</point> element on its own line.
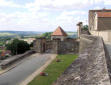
<point>47,35</point>
<point>31,44</point>
<point>85,27</point>
<point>18,46</point>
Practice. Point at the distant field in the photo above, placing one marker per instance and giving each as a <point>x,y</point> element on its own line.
<point>6,34</point>
<point>70,33</point>
<point>13,34</point>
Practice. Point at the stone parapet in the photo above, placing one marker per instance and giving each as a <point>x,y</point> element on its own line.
<point>92,67</point>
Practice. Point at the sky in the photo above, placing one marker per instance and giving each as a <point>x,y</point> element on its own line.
<point>46,15</point>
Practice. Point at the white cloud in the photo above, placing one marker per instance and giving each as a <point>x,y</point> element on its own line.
<point>97,7</point>
<point>104,2</point>
<point>46,14</point>
<point>107,2</point>
<point>58,4</point>
<point>23,21</point>
<point>69,19</point>
<point>70,2</point>
<point>4,3</point>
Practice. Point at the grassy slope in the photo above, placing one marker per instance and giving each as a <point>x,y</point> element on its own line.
<point>54,70</point>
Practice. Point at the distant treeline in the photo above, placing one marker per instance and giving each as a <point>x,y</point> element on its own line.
<point>47,35</point>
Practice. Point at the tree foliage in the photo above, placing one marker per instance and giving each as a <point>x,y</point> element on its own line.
<point>47,35</point>
<point>85,27</point>
<point>18,46</point>
<point>31,44</point>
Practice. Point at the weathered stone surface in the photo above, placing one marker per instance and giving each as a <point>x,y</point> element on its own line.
<point>68,46</point>
<point>91,68</point>
<point>57,46</point>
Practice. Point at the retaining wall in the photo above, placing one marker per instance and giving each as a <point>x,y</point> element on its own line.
<point>9,61</point>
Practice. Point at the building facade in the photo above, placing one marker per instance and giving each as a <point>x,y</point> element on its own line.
<point>100,23</point>
<point>100,20</point>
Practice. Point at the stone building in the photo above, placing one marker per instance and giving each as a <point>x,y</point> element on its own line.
<point>100,23</point>
<point>100,19</point>
<point>59,34</point>
<point>59,43</point>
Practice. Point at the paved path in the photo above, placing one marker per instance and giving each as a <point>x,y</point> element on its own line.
<point>108,45</point>
<point>22,71</point>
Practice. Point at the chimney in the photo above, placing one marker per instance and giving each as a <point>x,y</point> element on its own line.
<point>79,27</point>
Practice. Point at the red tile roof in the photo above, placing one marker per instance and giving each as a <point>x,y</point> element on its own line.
<point>3,53</point>
<point>59,32</point>
<point>100,10</point>
<point>104,14</point>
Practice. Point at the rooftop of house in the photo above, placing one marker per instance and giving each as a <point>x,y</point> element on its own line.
<point>3,53</point>
<point>101,10</point>
<point>104,14</point>
<point>59,32</point>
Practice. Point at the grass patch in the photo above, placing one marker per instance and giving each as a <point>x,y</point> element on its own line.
<point>54,70</point>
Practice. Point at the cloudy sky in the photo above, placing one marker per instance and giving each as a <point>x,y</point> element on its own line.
<point>46,15</point>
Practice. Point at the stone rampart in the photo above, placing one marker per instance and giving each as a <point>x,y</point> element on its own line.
<point>92,67</point>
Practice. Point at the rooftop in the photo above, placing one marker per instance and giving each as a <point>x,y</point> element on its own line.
<point>104,14</point>
<point>59,32</point>
<point>101,10</point>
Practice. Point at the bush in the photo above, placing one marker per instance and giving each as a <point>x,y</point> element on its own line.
<point>18,46</point>
<point>47,35</point>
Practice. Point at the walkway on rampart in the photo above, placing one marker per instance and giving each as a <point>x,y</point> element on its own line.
<point>108,45</point>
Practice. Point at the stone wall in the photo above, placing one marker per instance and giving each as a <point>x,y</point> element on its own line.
<point>91,20</point>
<point>68,46</point>
<point>92,67</point>
<point>106,35</point>
<point>51,46</point>
<point>99,23</point>
<point>39,45</point>
<point>104,24</point>
<point>56,46</point>
<point>58,37</point>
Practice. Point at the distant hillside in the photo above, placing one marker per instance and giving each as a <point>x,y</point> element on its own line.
<point>29,34</point>
<point>18,33</point>
<point>6,34</point>
<point>72,34</point>
<point>21,32</point>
